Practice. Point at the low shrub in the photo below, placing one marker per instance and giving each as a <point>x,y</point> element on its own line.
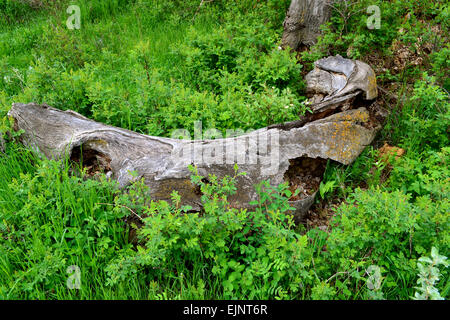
<point>422,123</point>
<point>252,254</point>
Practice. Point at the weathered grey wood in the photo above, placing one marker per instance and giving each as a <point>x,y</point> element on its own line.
<point>303,21</point>
<point>162,162</point>
<point>335,80</point>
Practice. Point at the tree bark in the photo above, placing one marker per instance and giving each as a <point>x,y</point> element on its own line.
<point>303,21</point>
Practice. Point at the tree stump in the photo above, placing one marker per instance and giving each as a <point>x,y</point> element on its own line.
<point>303,21</point>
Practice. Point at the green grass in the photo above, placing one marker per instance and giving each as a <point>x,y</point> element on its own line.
<point>149,67</point>
<point>51,220</point>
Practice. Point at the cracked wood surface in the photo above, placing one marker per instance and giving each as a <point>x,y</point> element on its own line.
<point>264,154</point>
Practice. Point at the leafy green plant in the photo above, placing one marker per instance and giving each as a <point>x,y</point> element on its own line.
<point>385,229</point>
<point>428,276</point>
<point>327,187</point>
<point>323,291</point>
<point>424,118</point>
<point>441,65</point>
<point>253,254</point>
<point>340,180</point>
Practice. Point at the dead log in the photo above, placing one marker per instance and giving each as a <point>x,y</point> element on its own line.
<point>295,152</point>
<point>303,21</point>
<point>297,155</point>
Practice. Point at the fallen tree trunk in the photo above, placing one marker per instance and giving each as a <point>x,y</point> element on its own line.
<point>297,155</point>
<point>303,21</point>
